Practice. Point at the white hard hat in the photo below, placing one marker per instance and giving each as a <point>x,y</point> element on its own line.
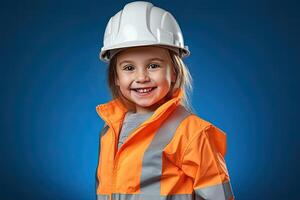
<point>142,24</point>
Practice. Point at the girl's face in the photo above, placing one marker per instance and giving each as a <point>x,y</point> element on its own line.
<point>144,76</point>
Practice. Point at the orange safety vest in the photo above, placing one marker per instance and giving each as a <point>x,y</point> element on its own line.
<point>173,155</point>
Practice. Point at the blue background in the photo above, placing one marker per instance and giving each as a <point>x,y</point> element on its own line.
<point>244,62</point>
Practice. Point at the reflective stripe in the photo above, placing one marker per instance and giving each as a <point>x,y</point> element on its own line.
<point>102,197</point>
<point>149,197</point>
<point>216,192</point>
<point>152,161</point>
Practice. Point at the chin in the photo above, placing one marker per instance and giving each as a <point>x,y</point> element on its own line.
<point>149,105</point>
<point>144,105</point>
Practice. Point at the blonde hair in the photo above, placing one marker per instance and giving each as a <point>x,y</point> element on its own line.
<point>183,81</point>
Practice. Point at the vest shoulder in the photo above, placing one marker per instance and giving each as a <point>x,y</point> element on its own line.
<point>190,128</point>
<point>196,121</point>
<point>194,125</point>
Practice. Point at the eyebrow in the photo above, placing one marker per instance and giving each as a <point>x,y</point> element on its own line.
<point>151,59</point>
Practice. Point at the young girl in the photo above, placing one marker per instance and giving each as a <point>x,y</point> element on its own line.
<point>152,145</point>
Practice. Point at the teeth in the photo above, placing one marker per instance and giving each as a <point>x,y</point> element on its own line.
<point>144,90</point>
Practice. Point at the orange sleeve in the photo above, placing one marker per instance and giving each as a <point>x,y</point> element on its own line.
<point>203,161</point>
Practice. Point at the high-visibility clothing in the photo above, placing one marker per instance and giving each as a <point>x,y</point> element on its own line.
<point>173,155</point>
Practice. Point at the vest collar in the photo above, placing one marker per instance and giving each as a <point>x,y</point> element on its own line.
<point>114,111</point>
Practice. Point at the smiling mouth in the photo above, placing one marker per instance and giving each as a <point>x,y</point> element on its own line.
<point>144,90</point>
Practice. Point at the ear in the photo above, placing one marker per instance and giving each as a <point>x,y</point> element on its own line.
<point>117,81</point>
<point>173,76</point>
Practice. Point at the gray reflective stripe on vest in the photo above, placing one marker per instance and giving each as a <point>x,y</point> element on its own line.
<point>150,197</point>
<point>152,161</point>
<point>102,197</point>
<point>216,192</point>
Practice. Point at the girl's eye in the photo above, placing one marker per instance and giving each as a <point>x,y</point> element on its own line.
<point>128,68</point>
<point>153,66</point>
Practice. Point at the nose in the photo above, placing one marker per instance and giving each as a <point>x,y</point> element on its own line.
<point>142,76</point>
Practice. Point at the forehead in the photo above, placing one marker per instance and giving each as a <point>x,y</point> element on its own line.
<point>143,54</point>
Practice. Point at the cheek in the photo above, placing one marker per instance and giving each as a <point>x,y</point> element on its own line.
<point>164,77</point>
<point>123,82</point>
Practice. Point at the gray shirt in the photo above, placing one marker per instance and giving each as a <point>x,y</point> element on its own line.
<point>131,122</point>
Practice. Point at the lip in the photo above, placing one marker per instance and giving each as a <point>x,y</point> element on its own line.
<point>142,88</point>
<point>143,94</point>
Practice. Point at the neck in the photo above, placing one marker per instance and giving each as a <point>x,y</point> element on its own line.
<point>153,107</point>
